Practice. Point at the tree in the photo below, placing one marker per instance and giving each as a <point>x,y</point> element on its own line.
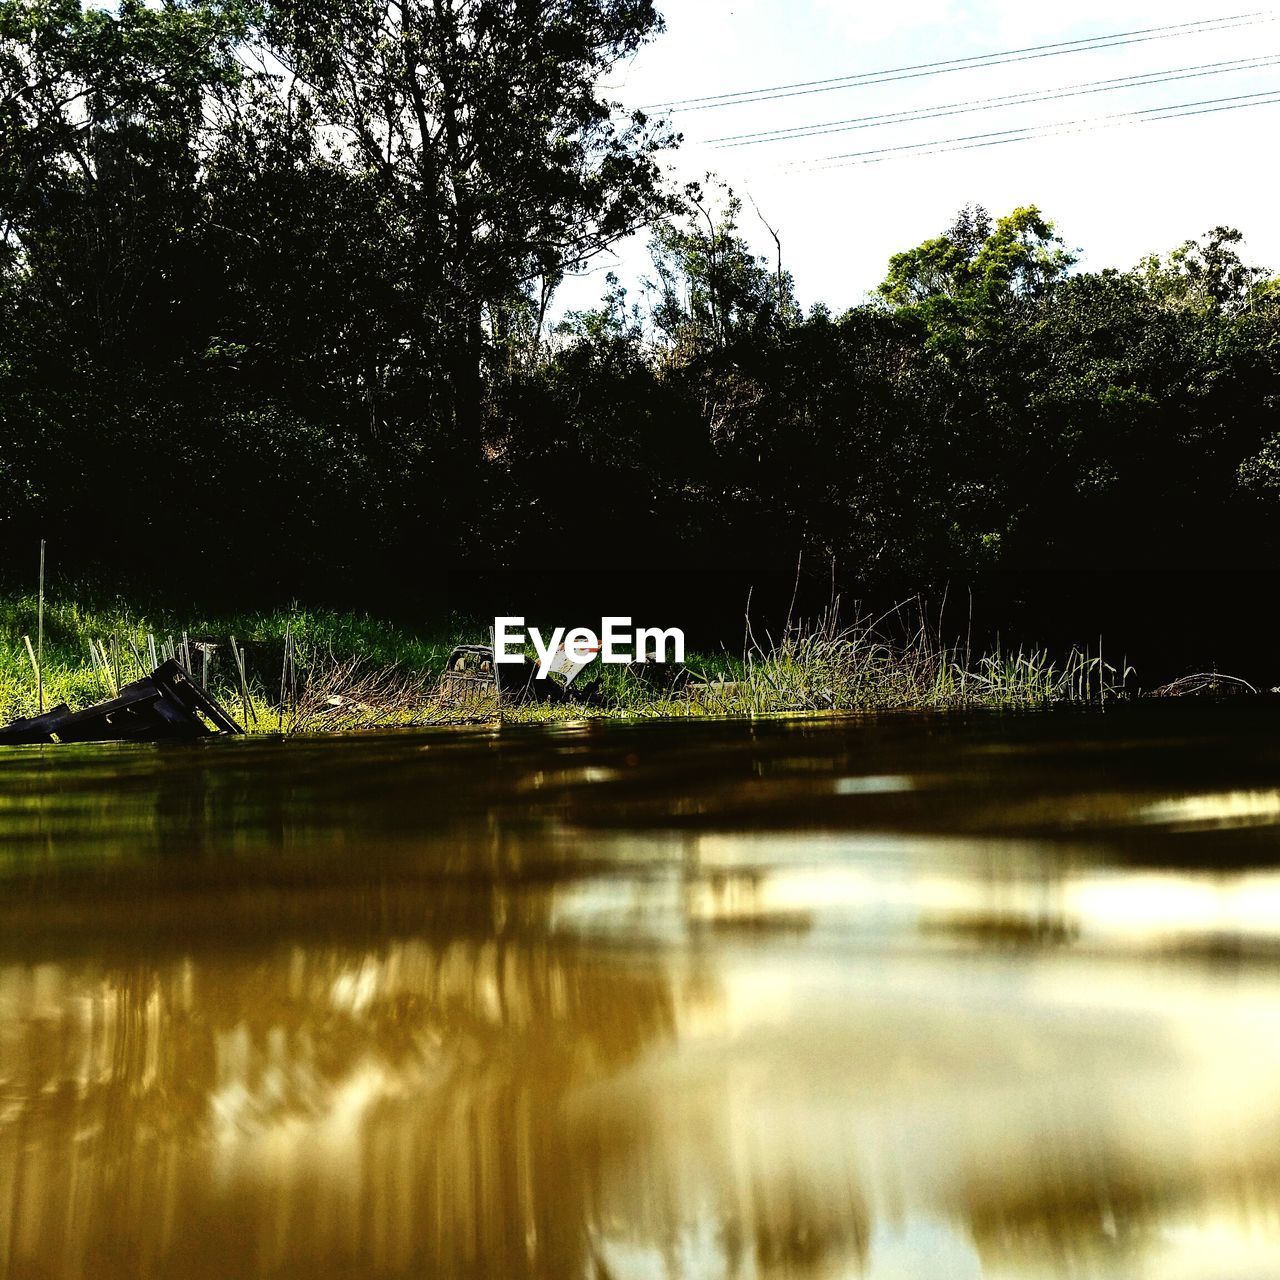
<point>107,282</point>
<point>974,262</point>
<point>480,125</point>
<point>103,119</point>
<point>1207,274</point>
<point>711,287</point>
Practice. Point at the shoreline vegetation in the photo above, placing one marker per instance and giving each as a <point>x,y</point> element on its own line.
<point>317,671</point>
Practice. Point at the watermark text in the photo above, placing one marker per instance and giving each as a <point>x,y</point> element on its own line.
<point>617,643</point>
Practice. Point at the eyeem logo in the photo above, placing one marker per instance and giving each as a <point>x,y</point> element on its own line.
<point>567,651</point>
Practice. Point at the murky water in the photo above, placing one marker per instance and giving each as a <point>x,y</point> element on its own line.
<point>900,997</point>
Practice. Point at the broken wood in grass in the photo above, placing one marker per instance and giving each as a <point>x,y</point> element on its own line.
<point>167,705</point>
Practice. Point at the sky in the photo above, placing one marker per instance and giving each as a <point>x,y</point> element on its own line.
<point>1115,193</point>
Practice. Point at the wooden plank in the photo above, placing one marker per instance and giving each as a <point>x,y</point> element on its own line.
<point>112,720</point>
<point>178,683</point>
<point>34,729</point>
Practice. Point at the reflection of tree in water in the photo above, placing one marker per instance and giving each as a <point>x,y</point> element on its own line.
<point>303,1110</point>
<point>403,1105</point>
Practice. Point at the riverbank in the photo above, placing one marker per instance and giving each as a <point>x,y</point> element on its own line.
<point>318,670</point>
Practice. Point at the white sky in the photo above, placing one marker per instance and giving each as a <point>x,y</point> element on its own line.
<point>1115,194</point>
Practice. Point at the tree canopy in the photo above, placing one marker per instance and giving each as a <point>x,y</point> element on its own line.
<point>277,282</point>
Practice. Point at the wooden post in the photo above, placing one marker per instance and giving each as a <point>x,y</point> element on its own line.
<point>238,654</point>
<point>284,668</point>
<point>40,637</point>
<point>108,669</point>
<point>35,664</point>
<point>497,675</point>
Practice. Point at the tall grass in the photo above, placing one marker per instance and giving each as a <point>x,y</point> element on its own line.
<point>830,666</point>
<point>318,671</point>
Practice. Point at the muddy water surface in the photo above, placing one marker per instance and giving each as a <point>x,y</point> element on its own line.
<point>962,997</point>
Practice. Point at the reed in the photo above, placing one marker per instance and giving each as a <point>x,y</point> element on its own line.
<point>40,636</point>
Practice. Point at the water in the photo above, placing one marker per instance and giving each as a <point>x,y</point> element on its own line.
<point>960,997</point>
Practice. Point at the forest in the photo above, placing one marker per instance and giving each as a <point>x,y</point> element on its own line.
<point>278,287</point>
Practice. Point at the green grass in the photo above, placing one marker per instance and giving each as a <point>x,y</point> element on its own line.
<point>70,674</point>
<point>356,671</point>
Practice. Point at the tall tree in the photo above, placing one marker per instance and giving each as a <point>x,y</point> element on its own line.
<point>711,289</point>
<point>103,119</point>
<point>108,285</point>
<point>481,124</point>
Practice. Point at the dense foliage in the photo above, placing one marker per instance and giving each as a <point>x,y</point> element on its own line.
<point>275,280</point>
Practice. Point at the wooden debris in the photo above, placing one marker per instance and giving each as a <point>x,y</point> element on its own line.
<point>166,706</point>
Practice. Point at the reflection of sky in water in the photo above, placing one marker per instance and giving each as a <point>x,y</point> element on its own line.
<point>882,885</point>
<point>950,1029</point>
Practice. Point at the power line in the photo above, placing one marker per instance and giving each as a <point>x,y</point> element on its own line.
<point>1086,44</point>
<point>1001,137</point>
<point>1035,131</point>
<point>747,97</point>
<point>826,128</point>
